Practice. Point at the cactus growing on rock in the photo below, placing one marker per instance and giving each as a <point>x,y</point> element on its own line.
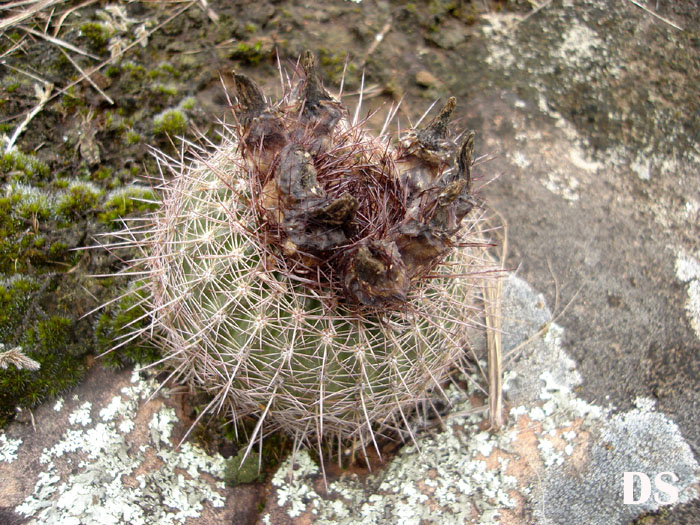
<point>310,274</point>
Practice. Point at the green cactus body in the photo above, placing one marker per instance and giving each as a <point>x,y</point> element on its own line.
<point>277,321</point>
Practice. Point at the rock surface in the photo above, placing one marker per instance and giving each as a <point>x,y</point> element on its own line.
<point>590,112</point>
<point>561,460</point>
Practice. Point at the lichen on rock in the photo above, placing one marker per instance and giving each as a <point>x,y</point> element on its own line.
<point>95,472</point>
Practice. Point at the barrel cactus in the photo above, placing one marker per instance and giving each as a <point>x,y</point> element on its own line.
<point>310,274</point>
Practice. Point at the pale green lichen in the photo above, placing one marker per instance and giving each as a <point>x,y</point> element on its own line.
<point>446,473</point>
<point>94,491</point>
<point>8,448</point>
<point>81,416</point>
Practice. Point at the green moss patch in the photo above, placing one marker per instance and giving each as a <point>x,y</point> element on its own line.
<point>127,201</point>
<point>170,122</point>
<point>96,36</point>
<point>52,341</point>
<point>16,166</point>
<point>81,198</point>
<point>116,324</point>
<point>239,470</point>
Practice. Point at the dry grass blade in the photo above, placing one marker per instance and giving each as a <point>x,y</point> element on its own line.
<point>62,18</point>
<point>27,13</point>
<point>652,13</point>
<point>492,292</point>
<point>86,74</point>
<point>87,77</point>
<point>57,41</point>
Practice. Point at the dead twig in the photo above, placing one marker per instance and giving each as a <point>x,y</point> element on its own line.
<point>111,60</point>
<point>33,76</point>
<point>44,95</point>
<point>14,47</point>
<point>87,77</point>
<point>377,40</point>
<point>64,15</point>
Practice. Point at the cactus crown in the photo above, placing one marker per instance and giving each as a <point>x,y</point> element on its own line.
<point>348,211</point>
<point>310,274</point>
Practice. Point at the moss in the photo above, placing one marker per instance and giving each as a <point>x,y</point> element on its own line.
<point>109,119</point>
<point>132,138</point>
<point>115,324</point>
<point>70,100</point>
<point>57,249</point>
<point>164,89</point>
<point>168,68</point>
<point>132,78</point>
<point>333,65</point>
<point>251,54</point>
<point>34,204</point>
<point>80,198</point>
<point>38,210</point>
<point>127,201</point>
<point>240,471</point>
<point>112,72</point>
<point>440,8</point>
<point>189,103</point>
<point>10,223</point>
<point>21,211</point>
<point>96,36</point>
<point>19,167</point>
<point>170,122</point>
<point>27,220</point>
<point>102,174</point>
<point>163,71</point>
<point>54,344</point>
<point>60,183</point>
<point>15,299</point>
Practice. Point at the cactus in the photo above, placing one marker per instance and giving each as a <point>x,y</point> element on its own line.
<point>309,274</point>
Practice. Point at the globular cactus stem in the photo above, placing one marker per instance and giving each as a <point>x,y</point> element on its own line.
<point>310,274</point>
